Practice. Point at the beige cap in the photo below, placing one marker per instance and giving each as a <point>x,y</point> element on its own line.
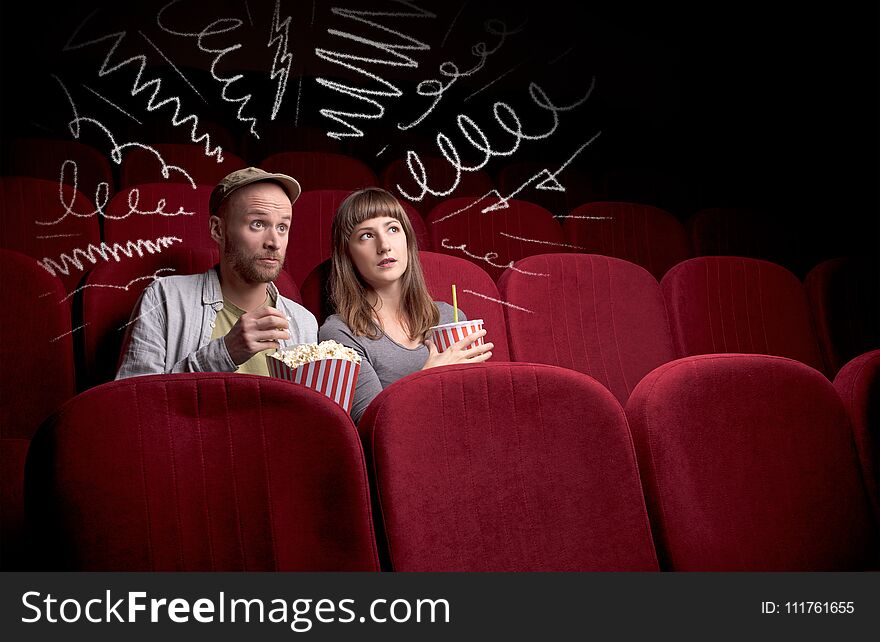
<point>246,176</point>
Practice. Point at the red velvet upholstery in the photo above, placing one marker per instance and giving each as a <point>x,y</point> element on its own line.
<point>488,233</point>
<point>731,304</point>
<point>598,315</point>
<point>141,166</point>
<point>858,384</point>
<point>192,228</point>
<point>321,170</point>
<point>505,467</point>
<point>748,464</point>
<point>844,297</point>
<point>25,201</point>
<point>43,158</point>
<point>107,310</point>
<point>577,183</point>
<point>733,231</point>
<point>442,271</point>
<point>37,377</point>
<point>641,234</point>
<point>200,472</point>
<point>440,176</point>
<point>315,292</point>
<point>313,214</point>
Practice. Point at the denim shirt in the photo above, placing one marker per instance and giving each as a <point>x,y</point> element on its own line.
<point>170,328</point>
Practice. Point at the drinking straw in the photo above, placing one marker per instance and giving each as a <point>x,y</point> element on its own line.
<point>454,305</point>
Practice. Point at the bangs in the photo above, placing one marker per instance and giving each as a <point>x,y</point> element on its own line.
<point>369,203</point>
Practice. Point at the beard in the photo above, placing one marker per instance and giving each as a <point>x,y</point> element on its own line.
<point>248,267</point>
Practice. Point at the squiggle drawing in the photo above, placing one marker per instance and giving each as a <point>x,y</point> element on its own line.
<point>216,28</point>
<point>488,257</point>
<point>507,119</point>
<point>76,257</point>
<point>525,240</point>
<point>138,86</point>
<point>283,58</point>
<point>494,300</point>
<point>61,336</point>
<point>152,277</point>
<point>397,59</point>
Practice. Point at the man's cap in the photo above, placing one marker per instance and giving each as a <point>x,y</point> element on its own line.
<point>246,176</point>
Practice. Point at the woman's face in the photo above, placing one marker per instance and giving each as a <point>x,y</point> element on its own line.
<point>378,250</point>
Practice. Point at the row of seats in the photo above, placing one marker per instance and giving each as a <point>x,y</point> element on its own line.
<point>47,220</point>
<point>717,463</point>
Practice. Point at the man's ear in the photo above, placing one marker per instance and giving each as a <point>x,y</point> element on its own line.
<point>216,227</point>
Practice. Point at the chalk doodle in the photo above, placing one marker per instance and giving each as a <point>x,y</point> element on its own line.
<point>435,88</point>
<point>112,104</point>
<point>283,59</point>
<point>218,27</point>
<point>526,240</point>
<point>152,277</point>
<point>138,86</point>
<point>494,300</point>
<point>69,332</point>
<point>488,257</point>
<point>91,253</point>
<point>397,58</point>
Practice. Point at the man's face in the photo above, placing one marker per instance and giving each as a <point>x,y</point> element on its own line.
<point>252,231</point>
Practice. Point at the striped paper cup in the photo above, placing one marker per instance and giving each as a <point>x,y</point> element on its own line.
<point>334,378</point>
<point>445,335</point>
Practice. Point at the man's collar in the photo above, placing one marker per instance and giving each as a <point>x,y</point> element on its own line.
<point>212,293</point>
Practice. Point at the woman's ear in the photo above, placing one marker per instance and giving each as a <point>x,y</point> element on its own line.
<point>216,228</point>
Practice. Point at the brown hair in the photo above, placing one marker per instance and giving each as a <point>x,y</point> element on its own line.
<point>348,290</point>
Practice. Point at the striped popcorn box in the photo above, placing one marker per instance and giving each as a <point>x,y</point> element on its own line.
<point>445,335</point>
<point>334,378</point>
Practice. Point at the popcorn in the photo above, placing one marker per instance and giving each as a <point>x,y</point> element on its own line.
<point>327,367</point>
<point>306,352</point>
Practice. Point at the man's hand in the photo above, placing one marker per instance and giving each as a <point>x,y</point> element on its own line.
<point>254,332</point>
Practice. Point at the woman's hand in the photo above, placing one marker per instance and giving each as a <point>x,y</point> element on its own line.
<point>459,352</point>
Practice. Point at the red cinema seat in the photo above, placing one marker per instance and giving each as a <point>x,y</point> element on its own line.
<point>154,210</point>
<point>738,231</point>
<point>83,166</point>
<point>310,241</point>
<point>858,384</point>
<point>37,377</point>
<point>34,220</point>
<point>748,464</point>
<point>598,315</point>
<point>844,297</point>
<point>143,166</point>
<point>200,472</point>
<point>476,292</point>
<point>440,176</point>
<point>321,170</point>
<point>493,239</point>
<point>731,304</point>
<point>505,467</point>
<point>640,234</point>
<point>111,293</point>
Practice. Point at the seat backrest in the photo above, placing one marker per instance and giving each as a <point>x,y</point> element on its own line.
<point>34,220</point>
<point>598,315</point>
<point>844,297</point>
<point>496,238</point>
<point>858,384</point>
<point>737,231</point>
<point>310,241</point>
<point>440,176</point>
<point>46,158</point>
<point>111,294</point>
<point>476,292</point>
<point>184,214</point>
<point>36,379</point>
<point>748,464</point>
<point>505,467</point>
<point>321,170</point>
<point>641,234</point>
<point>200,472</point>
<point>142,166</point>
<point>732,304</point>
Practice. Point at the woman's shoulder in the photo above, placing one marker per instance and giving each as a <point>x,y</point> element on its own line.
<point>447,313</point>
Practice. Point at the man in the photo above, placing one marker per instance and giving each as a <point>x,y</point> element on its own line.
<point>228,318</point>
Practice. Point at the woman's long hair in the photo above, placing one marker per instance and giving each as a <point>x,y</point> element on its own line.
<point>348,290</point>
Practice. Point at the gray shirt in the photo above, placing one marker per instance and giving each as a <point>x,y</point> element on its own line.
<point>170,328</point>
<point>383,360</point>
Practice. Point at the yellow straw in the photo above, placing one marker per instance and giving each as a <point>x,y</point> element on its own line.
<point>454,304</point>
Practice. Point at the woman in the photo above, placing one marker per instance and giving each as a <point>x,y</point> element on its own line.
<point>384,311</point>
